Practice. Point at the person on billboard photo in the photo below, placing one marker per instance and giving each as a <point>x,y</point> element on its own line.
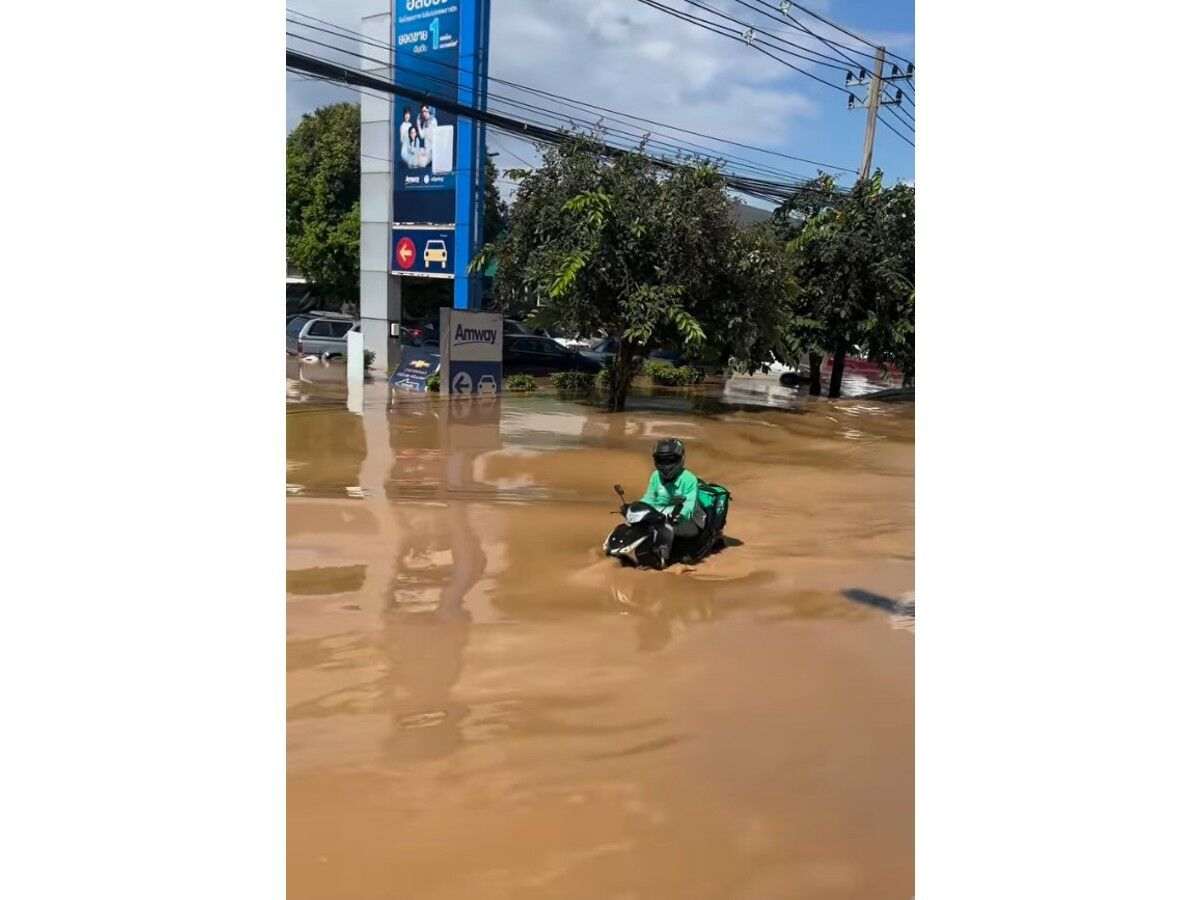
<point>427,123</point>
<point>412,154</point>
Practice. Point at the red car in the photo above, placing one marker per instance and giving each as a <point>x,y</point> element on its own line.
<point>865,367</point>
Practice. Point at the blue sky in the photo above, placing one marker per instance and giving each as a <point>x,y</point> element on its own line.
<point>633,58</point>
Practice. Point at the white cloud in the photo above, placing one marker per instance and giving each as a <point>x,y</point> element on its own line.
<point>656,51</point>
<point>629,57</point>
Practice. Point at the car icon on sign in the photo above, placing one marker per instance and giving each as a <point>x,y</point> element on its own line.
<point>487,384</point>
<point>435,251</point>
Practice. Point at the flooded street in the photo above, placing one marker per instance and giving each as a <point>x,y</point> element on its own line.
<point>480,705</point>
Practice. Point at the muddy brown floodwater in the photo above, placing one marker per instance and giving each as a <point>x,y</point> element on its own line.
<point>481,706</point>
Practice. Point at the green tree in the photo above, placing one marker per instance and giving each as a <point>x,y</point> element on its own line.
<point>323,200</point>
<point>617,246</point>
<point>495,211</point>
<point>804,339</point>
<point>855,265</point>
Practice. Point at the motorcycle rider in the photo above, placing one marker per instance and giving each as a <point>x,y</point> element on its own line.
<point>668,481</point>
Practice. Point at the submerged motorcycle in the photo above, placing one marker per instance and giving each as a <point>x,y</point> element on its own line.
<point>640,539</point>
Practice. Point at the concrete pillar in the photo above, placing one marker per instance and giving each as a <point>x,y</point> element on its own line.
<point>379,292</point>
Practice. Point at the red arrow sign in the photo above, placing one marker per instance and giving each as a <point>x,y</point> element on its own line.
<point>406,253</point>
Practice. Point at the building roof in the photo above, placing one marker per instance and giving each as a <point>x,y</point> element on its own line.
<point>748,216</point>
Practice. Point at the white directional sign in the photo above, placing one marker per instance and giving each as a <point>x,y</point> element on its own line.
<point>472,351</point>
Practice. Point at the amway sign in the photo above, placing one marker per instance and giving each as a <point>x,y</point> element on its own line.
<point>472,352</point>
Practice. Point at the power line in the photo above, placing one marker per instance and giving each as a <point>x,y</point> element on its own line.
<point>899,121</point>
<point>679,14</point>
<point>831,44</point>
<point>815,57</point>
<point>895,132</point>
<point>558,118</point>
<point>583,105</point>
<point>899,108</point>
<point>847,31</point>
<point>769,13</point>
<point>517,156</point>
<point>757,187</point>
<point>375,92</point>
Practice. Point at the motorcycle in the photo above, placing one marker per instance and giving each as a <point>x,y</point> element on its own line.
<point>640,539</point>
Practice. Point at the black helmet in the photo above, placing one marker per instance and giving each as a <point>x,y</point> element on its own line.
<point>668,458</point>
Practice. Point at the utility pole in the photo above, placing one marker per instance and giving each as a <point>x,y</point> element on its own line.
<point>864,171</point>
<point>875,99</point>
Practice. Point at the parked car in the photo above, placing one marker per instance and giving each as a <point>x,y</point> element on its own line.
<point>429,334</point>
<point>531,354</point>
<point>319,334</point>
<point>606,348</point>
<point>855,362</point>
<point>575,343</point>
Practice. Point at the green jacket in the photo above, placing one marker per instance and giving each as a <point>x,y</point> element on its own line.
<point>686,485</point>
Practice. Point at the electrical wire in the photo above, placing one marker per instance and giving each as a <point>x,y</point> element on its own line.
<point>814,57</point>
<point>893,130</point>
<point>772,191</point>
<point>348,33</point>
<point>848,32</point>
<point>516,156</point>
<point>732,34</point>
<point>833,45</point>
<point>558,118</point>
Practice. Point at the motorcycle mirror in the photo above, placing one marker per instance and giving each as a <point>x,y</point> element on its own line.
<point>617,488</point>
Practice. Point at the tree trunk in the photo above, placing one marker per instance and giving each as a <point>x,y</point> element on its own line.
<point>621,376</point>
<point>814,373</point>
<point>835,377</point>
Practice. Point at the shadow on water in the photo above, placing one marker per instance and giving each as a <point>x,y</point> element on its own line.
<point>903,612</point>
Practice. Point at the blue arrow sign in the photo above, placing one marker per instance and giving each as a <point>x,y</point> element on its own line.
<point>462,383</point>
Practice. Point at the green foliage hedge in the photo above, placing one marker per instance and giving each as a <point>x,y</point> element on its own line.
<point>667,375</point>
<point>573,382</point>
<point>520,383</point>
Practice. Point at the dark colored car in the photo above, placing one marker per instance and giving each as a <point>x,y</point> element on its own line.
<point>428,335</point>
<point>604,350</point>
<point>531,354</point>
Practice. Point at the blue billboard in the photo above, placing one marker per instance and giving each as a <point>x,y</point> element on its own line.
<point>441,51</point>
<point>424,137</point>
<point>427,252</point>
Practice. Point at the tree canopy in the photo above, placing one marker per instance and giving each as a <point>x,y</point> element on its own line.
<point>323,200</point>
<point>854,258</point>
<point>495,211</point>
<point>615,245</point>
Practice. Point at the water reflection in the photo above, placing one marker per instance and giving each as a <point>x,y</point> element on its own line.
<point>325,451</point>
<point>425,624</point>
<point>481,705</point>
<point>664,605</point>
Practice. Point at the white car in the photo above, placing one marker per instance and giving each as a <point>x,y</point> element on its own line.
<point>487,384</point>
<point>575,343</point>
